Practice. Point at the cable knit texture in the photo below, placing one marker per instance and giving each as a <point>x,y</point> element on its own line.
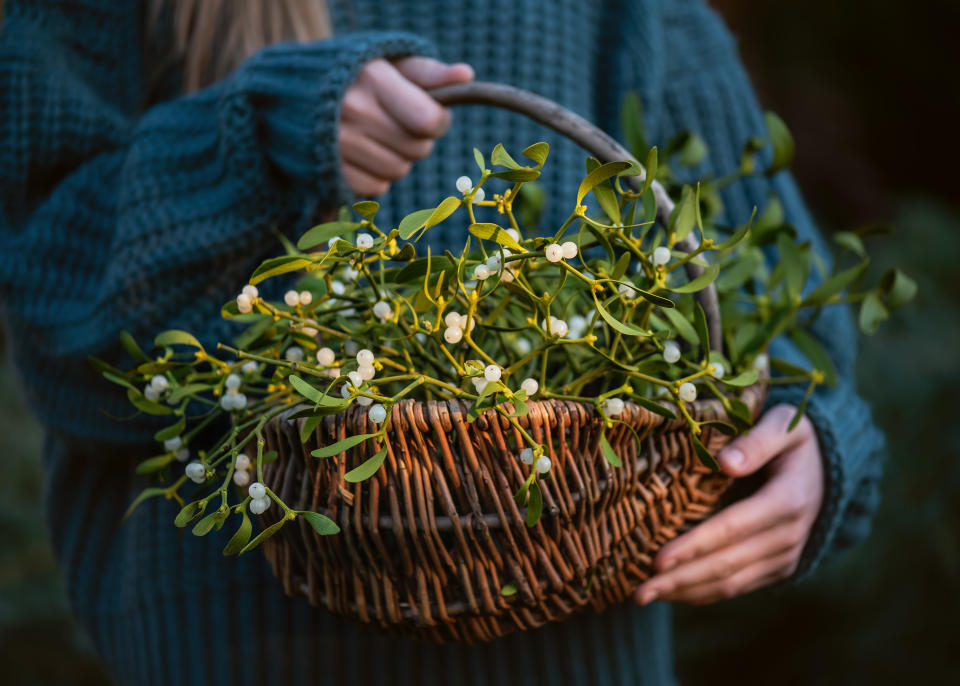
<point>119,215</point>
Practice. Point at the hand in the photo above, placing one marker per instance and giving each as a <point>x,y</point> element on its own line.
<point>755,541</point>
<point>387,121</point>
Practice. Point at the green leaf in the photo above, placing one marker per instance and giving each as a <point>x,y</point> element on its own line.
<point>443,210</point>
<point>898,289</point>
<point>501,158</point>
<point>787,368</point>
<point>508,590</point>
<point>795,266</point>
<point>176,337</point>
<point>322,524</point>
<point>120,381</point>
<point>204,526</point>
<point>341,446</point>
<point>413,222</point>
<point>693,151</point>
<point>617,325</point>
<point>872,312</point>
<point>722,427</point>
<point>145,405</point>
<point>189,512</point>
<point>682,325</point>
<point>684,216</point>
<point>130,345</point>
<point>144,495</point>
<point>599,175</point>
<point>651,168</point>
<point>605,195</point>
<point>698,284</point>
<point>278,265</point>
<point>478,158</point>
<point>783,145</point>
<point>368,468</point>
<point>309,426</point>
<point>181,392</point>
<point>154,464</point>
<point>818,357</point>
<point>745,378</point>
<point>324,232</point>
<point>537,152</point>
<point>737,237</point>
<point>738,272</point>
<point>620,268</point>
<point>171,431</point>
<point>418,268</point>
<point>631,123</point>
<point>240,538</point>
<point>264,535</point>
<point>700,324</point>
<point>534,505</point>
<point>850,241</point>
<point>706,458</point>
<point>312,394</point>
<point>656,408</point>
<point>366,208</point>
<point>521,175</point>
<point>493,232</point>
<point>608,452</point>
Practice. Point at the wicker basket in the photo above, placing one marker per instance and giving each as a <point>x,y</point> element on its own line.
<point>429,543</point>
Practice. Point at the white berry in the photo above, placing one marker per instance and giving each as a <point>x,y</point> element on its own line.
<point>530,386</point>
<point>241,478</point>
<point>382,310</point>
<point>159,383</point>
<point>481,272</point>
<point>345,390</point>
<point>761,361</point>
<point>325,357</point>
<point>249,367</point>
<point>479,195</point>
<point>239,401</point>
<point>514,234</point>
<point>464,184</point>
<point>661,256</point>
<point>377,413</point>
<point>453,334</point>
<point>612,407</point>
<point>356,379</point>
<point>172,444</point>
<point>569,249</point>
<point>364,241</point>
<point>226,402</point>
<point>627,292</point>
<point>366,371</point>
<point>526,456</point>
<point>333,372</point>
<point>183,454</point>
<point>453,319</point>
<point>718,371</point>
<point>522,346</point>
<point>687,392</point>
<point>553,252</point>
<point>292,298</point>
<point>242,462</point>
<point>543,464</point>
<point>232,382</point>
<point>294,354</point>
<point>244,305</point>
<point>257,490</point>
<point>306,297</point>
<point>578,325</point>
<point>364,401</point>
<point>365,357</point>
<point>196,472</point>
<point>671,352</point>
<point>337,288</point>
<point>251,291</point>
<point>492,373</point>
<point>259,505</point>
<point>150,394</point>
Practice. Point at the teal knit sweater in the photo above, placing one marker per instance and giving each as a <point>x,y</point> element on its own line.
<point>130,208</point>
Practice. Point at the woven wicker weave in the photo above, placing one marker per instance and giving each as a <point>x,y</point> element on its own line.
<point>427,544</point>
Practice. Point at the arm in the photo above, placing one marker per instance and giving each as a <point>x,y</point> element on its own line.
<point>115,220</point>
<point>835,456</point>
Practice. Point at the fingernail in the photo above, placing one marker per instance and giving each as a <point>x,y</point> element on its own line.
<point>648,597</point>
<point>731,457</point>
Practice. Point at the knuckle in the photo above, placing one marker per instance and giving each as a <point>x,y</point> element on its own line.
<point>428,122</point>
<point>724,568</point>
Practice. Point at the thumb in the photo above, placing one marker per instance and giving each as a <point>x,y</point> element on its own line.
<point>767,439</point>
<point>429,73</point>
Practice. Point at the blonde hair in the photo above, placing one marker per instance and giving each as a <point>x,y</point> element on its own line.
<point>212,37</point>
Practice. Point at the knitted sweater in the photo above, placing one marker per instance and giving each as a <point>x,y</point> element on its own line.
<point>125,210</point>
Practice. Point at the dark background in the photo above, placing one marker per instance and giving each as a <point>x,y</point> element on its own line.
<point>870,91</point>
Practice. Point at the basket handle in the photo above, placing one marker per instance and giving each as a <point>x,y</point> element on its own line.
<point>599,144</point>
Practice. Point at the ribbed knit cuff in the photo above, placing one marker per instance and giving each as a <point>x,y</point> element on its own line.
<point>852,452</point>
<point>296,90</point>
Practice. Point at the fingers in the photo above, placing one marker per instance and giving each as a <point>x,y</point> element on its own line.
<point>747,453</point>
<point>724,563</point>
<point>418,113</point>
<point>369,156</point>
<point>361,111</point>
<point>364,184</point>
<point>750,578</point>
<point>428,73</point>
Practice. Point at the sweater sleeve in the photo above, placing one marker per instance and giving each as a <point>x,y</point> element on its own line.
<point>112,219</point>
<point>703,88</point>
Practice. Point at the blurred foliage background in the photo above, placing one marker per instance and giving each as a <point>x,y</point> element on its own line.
<point>869,90</point>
